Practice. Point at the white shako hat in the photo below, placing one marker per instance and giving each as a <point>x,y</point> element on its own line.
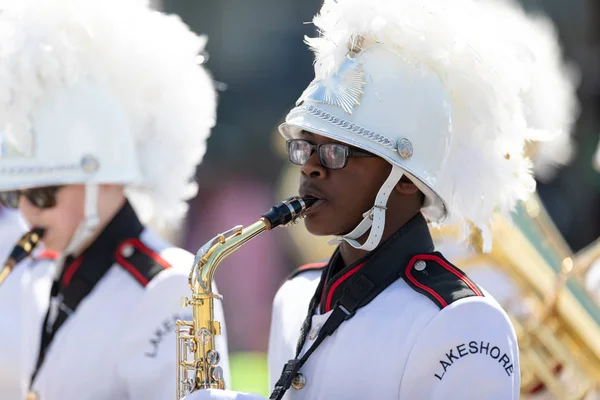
<point>550,93</point>
<point>427,86</point>
<point>103,91</point>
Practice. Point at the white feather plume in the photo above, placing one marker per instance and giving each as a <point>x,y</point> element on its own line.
<point>550,97</point>
<point>145,57</point>
<point>485,169</point>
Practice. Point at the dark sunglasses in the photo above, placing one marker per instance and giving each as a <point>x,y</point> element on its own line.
<point>43,197</point>
<point>331,155</point>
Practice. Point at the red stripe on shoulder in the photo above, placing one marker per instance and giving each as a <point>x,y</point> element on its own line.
<point>150,253</point>
<point>70,270</point>
<point>421,286</point>
<point>47,255</point>
<point>140,261</point>
<point>439,280</point>
<point>338,282</point>
<point>316,266</point>
<point>312,266</point>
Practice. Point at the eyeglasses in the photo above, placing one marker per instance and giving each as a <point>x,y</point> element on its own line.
<point>331,155</point>
<point>43,197</point>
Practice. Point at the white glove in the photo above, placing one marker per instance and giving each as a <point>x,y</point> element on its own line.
<point>216,394</point>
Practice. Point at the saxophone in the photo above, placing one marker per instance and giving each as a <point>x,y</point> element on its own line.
<point>22,249</point>
<point>197,358</point>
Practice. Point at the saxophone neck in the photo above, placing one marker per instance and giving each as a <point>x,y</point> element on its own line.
<point>223,245</point>
<point>216,250</point>
<point>22,250</point>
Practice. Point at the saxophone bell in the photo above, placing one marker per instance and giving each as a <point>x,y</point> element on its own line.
<point>197,357</point>
<point>22,250</point>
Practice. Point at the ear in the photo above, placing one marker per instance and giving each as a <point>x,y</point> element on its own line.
<point>405,187</point>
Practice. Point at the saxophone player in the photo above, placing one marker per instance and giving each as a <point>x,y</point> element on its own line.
<point>414,115</point>
<point>105,114</point>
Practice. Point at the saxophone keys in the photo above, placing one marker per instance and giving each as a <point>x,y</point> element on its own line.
<point>217,374</point>
<point>184,301</point>
<point>216,328</point>
<point>213,358</point>
<point>189,385</point>
<point>203,336</point>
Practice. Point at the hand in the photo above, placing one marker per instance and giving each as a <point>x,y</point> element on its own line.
<point>216,394</point>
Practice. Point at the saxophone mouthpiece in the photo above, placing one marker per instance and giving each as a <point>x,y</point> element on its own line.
<point>288,211</point>
<point>26,245</point>
<point>309,201</point>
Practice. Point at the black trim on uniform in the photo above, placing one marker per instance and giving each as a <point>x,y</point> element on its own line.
<point>439,280</point>
<point>140,261</point>
<point>390,258</point>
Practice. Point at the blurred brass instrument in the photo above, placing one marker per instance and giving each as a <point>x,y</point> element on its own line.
<point>197,357</point>
<point>22,249</point>
<point>559,334</point>
<point>583,262</point>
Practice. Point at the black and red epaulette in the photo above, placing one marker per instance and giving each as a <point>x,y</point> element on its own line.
<point>435,277</point>
<point>316,266</point>
<point>140,261</point>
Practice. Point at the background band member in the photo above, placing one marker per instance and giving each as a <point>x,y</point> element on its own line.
<point>105,114</point>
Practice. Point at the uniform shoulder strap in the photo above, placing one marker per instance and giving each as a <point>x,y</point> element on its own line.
<point>316,266</point>
<point>435,277</point>
<point>140,261</point>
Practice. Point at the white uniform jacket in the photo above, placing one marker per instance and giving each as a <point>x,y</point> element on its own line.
<point>500,285</point>
<point>12,228</point>
<point>431,334</point>
<point>119,340</point>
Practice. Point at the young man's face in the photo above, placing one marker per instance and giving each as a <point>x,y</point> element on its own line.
<point>344,194</point>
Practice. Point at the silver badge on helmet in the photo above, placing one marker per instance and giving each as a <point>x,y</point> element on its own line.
<point>343,89</point>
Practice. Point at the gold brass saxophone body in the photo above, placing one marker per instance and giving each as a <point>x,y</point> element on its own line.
<point>558,327</point>
<point>22,249</point>
<point>197,357</point>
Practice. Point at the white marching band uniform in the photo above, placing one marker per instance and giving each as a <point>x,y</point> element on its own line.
<point>92,93</point>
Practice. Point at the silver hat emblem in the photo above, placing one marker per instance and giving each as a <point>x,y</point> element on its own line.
<point>405,148</point>
<point>90,164</point>
<point>343,89</point>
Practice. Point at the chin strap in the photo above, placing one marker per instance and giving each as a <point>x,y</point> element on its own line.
<point>373,219</point>
<point>85,228</point>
